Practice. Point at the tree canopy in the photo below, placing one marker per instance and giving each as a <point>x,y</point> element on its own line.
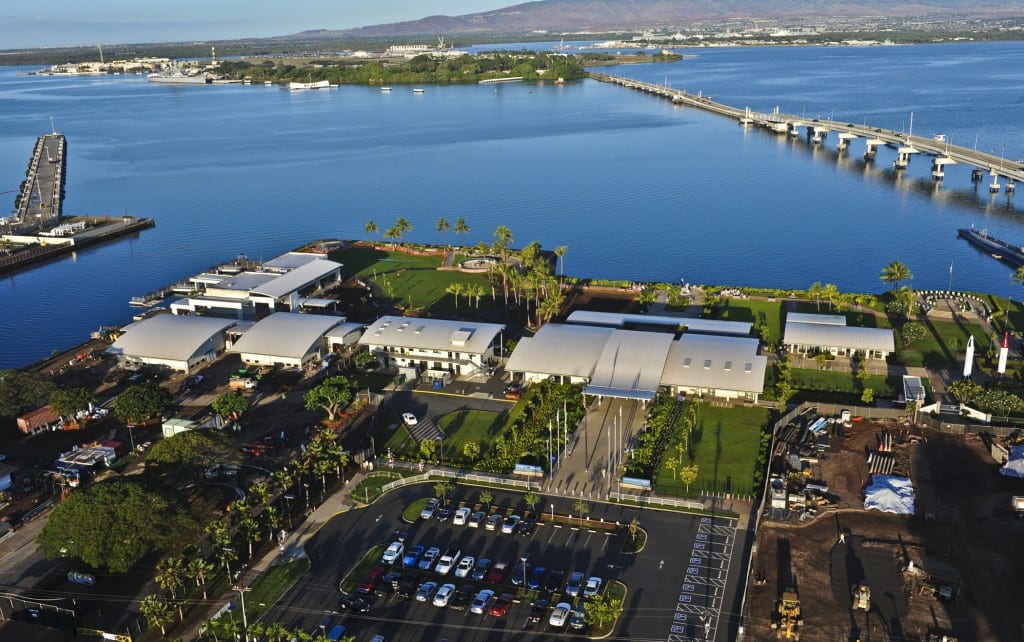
<point>231,403</point>
<point>68,401</point>
<point>331,395</point>
<point>115,523</point>
<point>194,448</point>
<point>141,402</point>
<point>22,391</point>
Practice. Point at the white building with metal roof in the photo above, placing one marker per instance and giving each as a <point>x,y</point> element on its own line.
<point>282,284</point>
<point>178,342</point>
<point>433,346</point>
<point>635,364</point>
<point>816,333</point>
<point>288,339</point>
<point>620,320</point>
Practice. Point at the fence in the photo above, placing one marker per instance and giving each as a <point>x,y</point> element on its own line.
<point>459,475</point>
<point>649,500</point>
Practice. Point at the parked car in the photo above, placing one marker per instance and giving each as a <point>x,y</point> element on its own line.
<point>465,566</point>
<point>407,586</point>
<point>493,522</point>
<point>575,584</point>
<point>426,591</point>
<point>520,573</point>
<point>393,554</point>
<point>480,569</point>
<point>462,598</point>
<point>412,556</point>
<point>511,522</point>
<point>428,510</point>
<point>536,578</point>
<point>444,595</point>
<point>498,572</point>
<point>501,605</point>
<point>461,516</point>
<point>355,604</point>
<point>409,419</point>
<point>429,558</point>
<point>538,610</point>
<point>482,601</point>
<point>337,631</point>
<point>560,615</point>
<point>513,391</point>
<point>447,561</point>
<point>526,527</point>
<point>578,620</point>
<point>443,514</point>
<point>554,580</point>
<point>370,580</point>
<point>388,584</point>
<point>593,586</point>
<point>476,519</point>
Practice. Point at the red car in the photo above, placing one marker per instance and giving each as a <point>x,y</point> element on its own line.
<point>371,580</point>
<point>498,572</point>
<point>500,607</point>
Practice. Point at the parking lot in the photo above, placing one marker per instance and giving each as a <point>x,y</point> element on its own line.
<point>656,578</point>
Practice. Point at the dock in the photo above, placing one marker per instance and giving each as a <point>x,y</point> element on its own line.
<point>39,249</point>
<point>41,197</point>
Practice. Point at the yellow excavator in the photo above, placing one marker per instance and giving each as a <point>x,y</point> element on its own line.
<point>789,620</point>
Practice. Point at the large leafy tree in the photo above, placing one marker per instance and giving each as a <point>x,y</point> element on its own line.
<point>331,395</point>
<point>115,523</point>
<point>895,273</point>
<point>965,390</point>
<point>68,401</point>
<point>141,402</point>
<point>194,448</point>
<point>22,391</point>
<point>602,609</point>
<point>230,404</point>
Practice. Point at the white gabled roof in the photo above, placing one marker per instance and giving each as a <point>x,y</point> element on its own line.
<point>286,334</point>
<point>291,260</point>
<point>297,278</point>
<point>431,334</point>
<point>839,336</point>
<point>618,320</point>
<point>630,365</point>
<point>721,363</point>
<point>823,319</point>
<point>563,350</point>
<point>170,337</point>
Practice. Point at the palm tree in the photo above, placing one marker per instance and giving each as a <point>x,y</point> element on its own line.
<point>258,493</point>
<point>455,289</point>
<point>199,569</point>
<point>477,290</point>
<point>830,291</point>
<point>560,253</point>
<point>157,612</point>
<point>1018,276</point>
<point>403,225</point>
<point>392,233</point>
<point>815,292</point>
<point>461,227</point>
<point>170,574</point>
<point>894,273</point>
<point>370,227</point>
<point>442,227</point>
<point>502,239</point>
<point>277,632</point>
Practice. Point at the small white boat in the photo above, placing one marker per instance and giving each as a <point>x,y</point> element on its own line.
<point>267,83</point>
<point>417,91</point>
<point>385,90</point>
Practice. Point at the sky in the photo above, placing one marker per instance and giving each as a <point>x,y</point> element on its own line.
<point>55,23</point>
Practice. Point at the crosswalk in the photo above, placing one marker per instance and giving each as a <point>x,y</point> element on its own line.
<point>702,590</point>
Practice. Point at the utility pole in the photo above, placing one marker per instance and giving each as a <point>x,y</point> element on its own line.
<point>241,597</point>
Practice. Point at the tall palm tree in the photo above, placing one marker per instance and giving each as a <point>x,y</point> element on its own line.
<point>370,227</point>
<point>442,227</point>
<point>460,226</point>
<point>894,273</point>
<point>1018,276</point>
<point>815,292</point>
<point>455,289</point>
<point>477,290</point>
<point>277,632</point>
<point>392,233</point>
<point>402,225</point>
<point>830,292</point>
<point>560,253</point>
<point>502,239</point>
<point>170,574</point>
<point>157,612</point>
<point>199,569</point>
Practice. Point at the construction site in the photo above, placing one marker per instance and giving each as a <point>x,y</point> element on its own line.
<point>885,530</point>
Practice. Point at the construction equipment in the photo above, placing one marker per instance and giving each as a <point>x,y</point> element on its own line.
<point>861,597</point>
<point>789,621</point>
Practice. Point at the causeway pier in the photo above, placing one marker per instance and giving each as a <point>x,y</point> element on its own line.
<point>1004,174</point>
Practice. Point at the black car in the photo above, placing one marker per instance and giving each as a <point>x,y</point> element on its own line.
<point>407,586</point>
<point>553,581</point>
<point>388,584</point>
<point>538,611</point>
<point>526,527</point>
<point>443,514</point>
<point>355,604</point>
<point>520,573</point>
<point>460,601</point>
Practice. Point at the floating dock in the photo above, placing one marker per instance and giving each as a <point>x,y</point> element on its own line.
<point>998,249</point>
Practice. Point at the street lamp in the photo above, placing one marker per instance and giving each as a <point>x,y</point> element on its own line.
<point>288,497</point>
<point>552,513</point>
<point>245,623</point>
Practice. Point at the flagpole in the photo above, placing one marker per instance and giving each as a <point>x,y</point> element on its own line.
<point>950,288</point>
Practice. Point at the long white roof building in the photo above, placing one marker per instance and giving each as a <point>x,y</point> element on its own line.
<point>178,342</point>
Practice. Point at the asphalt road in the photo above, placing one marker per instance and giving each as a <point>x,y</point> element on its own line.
<point>681,550</point>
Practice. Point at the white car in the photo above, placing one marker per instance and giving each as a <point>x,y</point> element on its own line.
<point>476,519</point>
<point>409,419</point>
<point>482,601</point>
<point>465,566</point>
<point>393,554</point>
<point>510,524</point>
<point>561,614</point>
<point>428,510</point>
<point>593,586</point>
<point>461,516</point>
<point>447,561</point>
<point>443,595</point>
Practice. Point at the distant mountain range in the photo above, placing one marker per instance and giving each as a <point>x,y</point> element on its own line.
<point>603,16</point>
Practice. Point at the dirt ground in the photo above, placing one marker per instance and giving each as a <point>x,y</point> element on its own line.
<point>963,536</point>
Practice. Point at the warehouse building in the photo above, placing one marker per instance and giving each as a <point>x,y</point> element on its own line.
<point>178,342</point>
<point>292,340</point>
<point>809,334</point>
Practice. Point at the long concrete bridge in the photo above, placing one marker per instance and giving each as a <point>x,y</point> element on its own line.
<point>906,145</point>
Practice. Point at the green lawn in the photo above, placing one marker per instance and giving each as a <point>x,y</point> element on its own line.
<point>943,346</point>
<point>269,587</point>
<point>747,310</point>
<point>464,426</point>
<point>414,282</point>
<point>724,446</point>
<point>391,434</point>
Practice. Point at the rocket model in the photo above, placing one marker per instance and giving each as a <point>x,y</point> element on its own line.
<point>1003,352</point>
<point>969,358</point>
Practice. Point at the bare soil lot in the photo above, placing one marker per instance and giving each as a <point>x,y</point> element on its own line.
<point>963,538</point>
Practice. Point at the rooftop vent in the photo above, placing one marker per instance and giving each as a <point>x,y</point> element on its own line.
<point>707,364</point>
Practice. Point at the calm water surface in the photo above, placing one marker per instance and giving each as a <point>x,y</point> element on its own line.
<point>636,188</point>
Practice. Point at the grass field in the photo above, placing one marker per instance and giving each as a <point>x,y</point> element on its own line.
<point>414,282</point>
<point>724,446</point>
<point>465,426</point>
<point>747,310</point>
<point>944,345</point>
<point>270,586</point>
<point>391,435</point>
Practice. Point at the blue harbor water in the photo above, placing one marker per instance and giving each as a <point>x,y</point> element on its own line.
<point>637,188</point>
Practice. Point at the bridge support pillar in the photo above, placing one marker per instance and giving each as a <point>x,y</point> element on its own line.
<point>976,175</point>
<point>994,186</point>
<point>903,157</point>
<point>1011,187</point>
